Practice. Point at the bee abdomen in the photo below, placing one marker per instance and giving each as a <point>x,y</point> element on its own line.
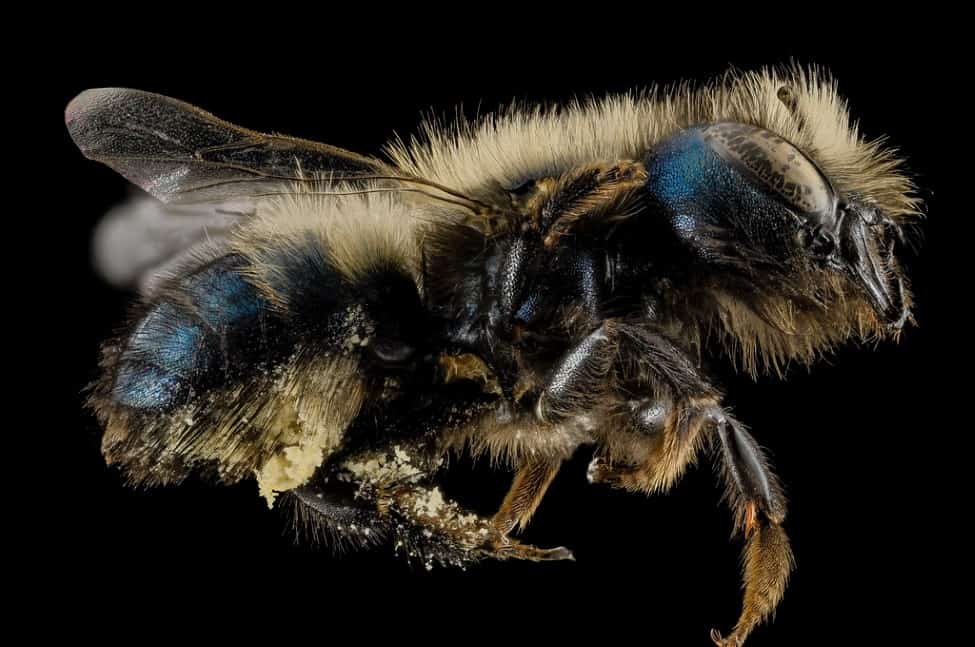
<point>163,352</point>
<point>207,324</point>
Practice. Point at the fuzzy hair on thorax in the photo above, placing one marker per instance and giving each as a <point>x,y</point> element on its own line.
<point>500,151</point>
<point>488,157</point>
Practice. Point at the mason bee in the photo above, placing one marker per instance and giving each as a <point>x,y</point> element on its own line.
<point>335,326</point>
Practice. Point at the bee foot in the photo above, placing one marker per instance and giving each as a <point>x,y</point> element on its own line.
<point>721,641</point>
<point>557,554</point>
<point>601,471</point>
<point>514,550</point>
<point>535,554</point>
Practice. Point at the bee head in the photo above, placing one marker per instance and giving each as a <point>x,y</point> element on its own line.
<point>750,204</point>
<point>859,244</point>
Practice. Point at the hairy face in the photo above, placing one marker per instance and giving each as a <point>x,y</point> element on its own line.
<point>751,203</point>
<point>861,245</point>
<point>828,241</point>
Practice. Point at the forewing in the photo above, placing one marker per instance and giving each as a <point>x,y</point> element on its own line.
<point>181,154</point>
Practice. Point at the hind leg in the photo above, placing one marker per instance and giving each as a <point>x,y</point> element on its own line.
<point>442,530</point>
<point>332,516</point>
<point>391,496</point>
<point>526,493</point>
<point>417,519</point>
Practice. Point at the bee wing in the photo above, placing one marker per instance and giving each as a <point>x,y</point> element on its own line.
<point>142,240</point>
<point>182,154</point>
<point>209,171</point>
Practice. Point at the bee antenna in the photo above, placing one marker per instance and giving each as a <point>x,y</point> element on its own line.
<point>787,95</point>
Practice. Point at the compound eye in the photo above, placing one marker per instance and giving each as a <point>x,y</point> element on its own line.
<point>773,163</point>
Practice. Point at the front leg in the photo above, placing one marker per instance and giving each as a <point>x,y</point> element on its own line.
<point>752,492</point>
<point>654,439</point>
<point>756,497</point>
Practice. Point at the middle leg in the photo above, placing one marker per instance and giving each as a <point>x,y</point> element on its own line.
<point>584,390</point>
<point>571,390</point>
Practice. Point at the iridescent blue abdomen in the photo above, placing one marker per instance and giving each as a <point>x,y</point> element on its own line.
<point>214,322</point>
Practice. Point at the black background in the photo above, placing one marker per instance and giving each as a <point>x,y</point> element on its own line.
<point>847,436</point>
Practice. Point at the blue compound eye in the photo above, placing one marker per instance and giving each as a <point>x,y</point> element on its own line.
<point>773,163</point>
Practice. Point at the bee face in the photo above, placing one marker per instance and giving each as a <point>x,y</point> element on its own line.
<point>747,199</point>
<point>862,249</point>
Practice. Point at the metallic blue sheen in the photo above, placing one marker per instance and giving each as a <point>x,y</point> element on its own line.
<point>699,191</point>
<point>168,338</point>
<point>144,386</point>
<point>223,296</point>
<point>178,342</point>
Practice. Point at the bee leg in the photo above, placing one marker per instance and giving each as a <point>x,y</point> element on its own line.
<point>756,497</point>
<point>327,514</point>
<point>526,493</point>
<point>529,553</point>
<point>434,528</point>
<point>670,429</point>
<point>417,519</point>
<point>577,379</point>
<point>572,388</point>
<point>673,426</point>
<point>752,491</point>
<point>657,435</point>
